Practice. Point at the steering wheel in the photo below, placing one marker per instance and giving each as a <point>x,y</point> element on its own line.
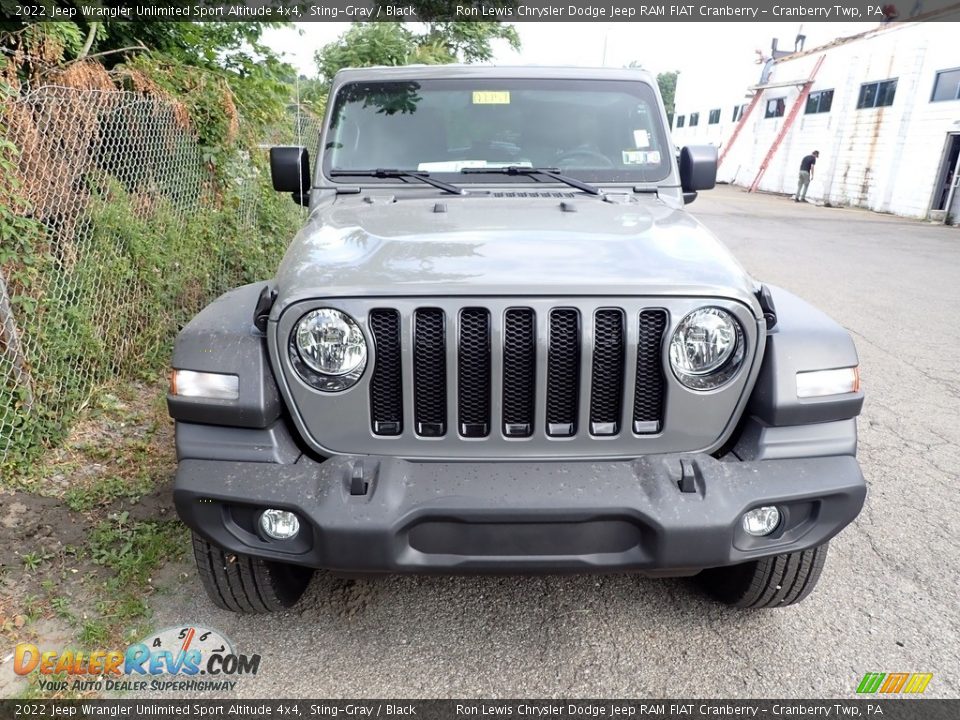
<point>599,158</point>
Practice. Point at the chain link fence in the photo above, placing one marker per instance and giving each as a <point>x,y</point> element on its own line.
<point>115,234</point>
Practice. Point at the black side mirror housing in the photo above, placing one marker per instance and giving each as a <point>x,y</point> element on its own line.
<point>698,170</point>
<point>290,171</point>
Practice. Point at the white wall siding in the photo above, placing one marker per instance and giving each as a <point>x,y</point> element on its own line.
<point>884,159</point>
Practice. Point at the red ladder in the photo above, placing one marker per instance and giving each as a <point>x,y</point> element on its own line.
<point>740,125</point>
<point>785,128</point>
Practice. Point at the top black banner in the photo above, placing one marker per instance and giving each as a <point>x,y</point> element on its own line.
<point>487,10</point>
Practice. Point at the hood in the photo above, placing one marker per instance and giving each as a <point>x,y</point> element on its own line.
<point>506,244</point>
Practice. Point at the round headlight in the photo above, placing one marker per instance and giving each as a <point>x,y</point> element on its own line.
<point>328,349</point>
<point>707,348</point>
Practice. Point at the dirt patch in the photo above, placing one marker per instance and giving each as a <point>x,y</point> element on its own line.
<point>88,532</point>
<point>32,522</point>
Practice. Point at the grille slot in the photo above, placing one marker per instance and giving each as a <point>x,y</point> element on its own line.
<point>429,373</point>
<point>519,371</point>
<point>606,388</point>
<point>386,384</point>
<point>473,372</point>
<point>649,391</point>
<point>563,372</point>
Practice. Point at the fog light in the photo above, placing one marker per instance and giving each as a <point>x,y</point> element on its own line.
<point>279,524</point>
<point>761,521</point>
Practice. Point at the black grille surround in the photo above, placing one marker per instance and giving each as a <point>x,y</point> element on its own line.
<point>648,395</point>
<point>519,371</point>
<point>473,372</point>
<point>386,391</point>
<point>606,382</point>
<point>430,372</point>
<point>563,372</point>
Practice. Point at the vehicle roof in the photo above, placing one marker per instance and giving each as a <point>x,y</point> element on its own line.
<point>421,72</point>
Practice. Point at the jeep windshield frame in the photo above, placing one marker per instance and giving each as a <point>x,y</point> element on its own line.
<point>598,131</point>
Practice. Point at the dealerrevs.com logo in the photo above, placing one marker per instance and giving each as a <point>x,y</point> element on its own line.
<point>890,683</point>
<point>177,659</point>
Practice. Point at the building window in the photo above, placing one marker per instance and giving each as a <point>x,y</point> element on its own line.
<point>680,120</point>
<point>694,119</point>
<point>946,86</point>
<point>738,111</point>
<point>877,94</point>
<point>775,107</point>
<point>819,102</point>
<point>714,117</point>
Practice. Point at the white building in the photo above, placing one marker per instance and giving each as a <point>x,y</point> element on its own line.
<point>883,110</point>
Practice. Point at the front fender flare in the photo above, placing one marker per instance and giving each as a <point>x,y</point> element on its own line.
<point>223,339</point>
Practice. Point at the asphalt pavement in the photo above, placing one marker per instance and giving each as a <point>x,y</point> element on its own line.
<point>889,598</point>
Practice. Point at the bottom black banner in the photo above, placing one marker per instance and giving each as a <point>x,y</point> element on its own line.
<point>912,709</point>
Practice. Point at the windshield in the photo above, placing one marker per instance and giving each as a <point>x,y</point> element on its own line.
<point>595,130</point>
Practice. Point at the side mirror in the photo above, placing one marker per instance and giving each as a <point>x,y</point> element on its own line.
<point>290,171</point>
<point>698,170</point>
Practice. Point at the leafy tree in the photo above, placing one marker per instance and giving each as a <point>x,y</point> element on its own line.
<point>668,89</point>
<point>366,44</point>
<point>179,55</point>
<point>667,82</point>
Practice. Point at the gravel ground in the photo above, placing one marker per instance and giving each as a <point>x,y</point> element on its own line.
<point>888,599</point>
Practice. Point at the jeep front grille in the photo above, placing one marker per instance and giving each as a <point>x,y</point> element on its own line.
<point>606,397</point>
<point>648,392</point>
<point>458,359</point>
<point>473,373</point>
<point>519,371</point>
<point>429,373</point>
<point>386,392</point>
<point>563,371</point>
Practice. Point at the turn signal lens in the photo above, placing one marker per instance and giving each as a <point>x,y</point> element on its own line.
<point>821,383</point>
<point>216,386</point>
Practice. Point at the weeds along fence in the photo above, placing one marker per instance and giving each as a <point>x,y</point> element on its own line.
<point>114,231</point>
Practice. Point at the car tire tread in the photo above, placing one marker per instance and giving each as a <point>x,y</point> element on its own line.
<point>247,584</point>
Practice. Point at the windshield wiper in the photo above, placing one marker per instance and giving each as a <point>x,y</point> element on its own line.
<point>390,173</point>
<point>552,173</point>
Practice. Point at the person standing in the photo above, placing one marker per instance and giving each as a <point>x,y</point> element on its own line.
<point>806,175</point>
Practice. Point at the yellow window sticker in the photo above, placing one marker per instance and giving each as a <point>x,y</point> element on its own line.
<point>491,97</point>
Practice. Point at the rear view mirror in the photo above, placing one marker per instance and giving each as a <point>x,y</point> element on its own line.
<point>698,170</point>
<point>290,171</point>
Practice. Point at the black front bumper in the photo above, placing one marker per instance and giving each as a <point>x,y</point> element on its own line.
<point>520,517</point>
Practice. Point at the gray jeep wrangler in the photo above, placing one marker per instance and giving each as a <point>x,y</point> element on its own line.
<point>499,344</point>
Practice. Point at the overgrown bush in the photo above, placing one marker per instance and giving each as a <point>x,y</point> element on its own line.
<point>152,215</point>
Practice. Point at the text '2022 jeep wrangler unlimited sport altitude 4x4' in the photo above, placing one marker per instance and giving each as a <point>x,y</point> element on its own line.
<point>499,344</point>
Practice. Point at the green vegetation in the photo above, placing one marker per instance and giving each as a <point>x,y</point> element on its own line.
<point>367,44</point>
<point>668,89</point>
<point>107,489</point>
<point>33,560</point>
<point>117,310</point>
<point>132,551</point>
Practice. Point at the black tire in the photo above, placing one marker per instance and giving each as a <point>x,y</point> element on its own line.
<point>767,583</point>
<point>246,584</point>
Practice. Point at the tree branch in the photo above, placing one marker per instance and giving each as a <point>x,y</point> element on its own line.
<point>91,34</point>
<point>141,46</point>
